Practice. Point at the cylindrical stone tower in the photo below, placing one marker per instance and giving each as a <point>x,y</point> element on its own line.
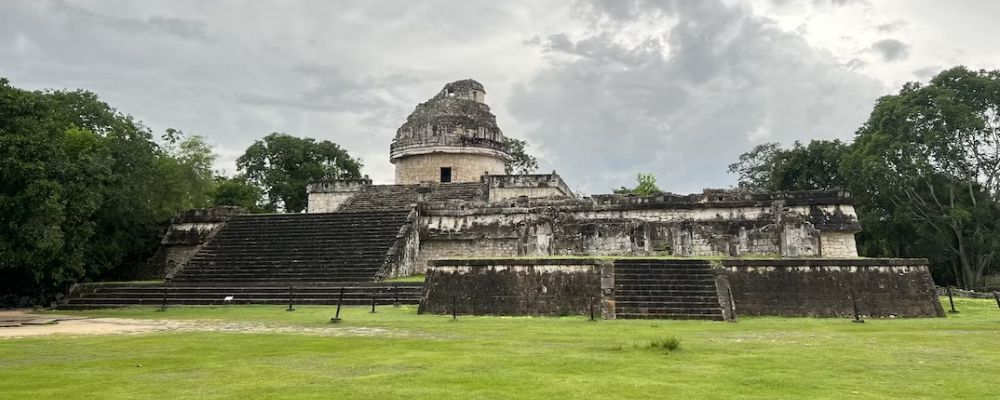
<point>453,137</point>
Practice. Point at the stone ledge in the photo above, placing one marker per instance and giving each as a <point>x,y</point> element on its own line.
<point>485,262</point>
<point>823,262</point>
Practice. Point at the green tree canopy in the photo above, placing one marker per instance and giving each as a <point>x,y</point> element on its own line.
<point>84,190</point>
<point>282,165</point>
<point>932,154</point>
<point>521,162</point>
<point>768,167</point>
<point>236,191</point>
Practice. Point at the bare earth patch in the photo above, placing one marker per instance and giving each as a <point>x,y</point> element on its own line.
<point>30,325</point>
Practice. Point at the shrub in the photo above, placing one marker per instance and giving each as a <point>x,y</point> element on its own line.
<point>666,344</point>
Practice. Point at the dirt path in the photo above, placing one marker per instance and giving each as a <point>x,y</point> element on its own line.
<point>21,324</point>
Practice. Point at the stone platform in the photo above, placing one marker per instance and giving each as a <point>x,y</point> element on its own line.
<point>681,288</point>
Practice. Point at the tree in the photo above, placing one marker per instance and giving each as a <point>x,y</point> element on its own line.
<point>236,191</point>
<point>932,153</point>
<point>646,186</point>
<point>815,166</point>
<point>521,162</point>
<point>46,170</point>
<point>755,167</point>
<point>85,191</point>
<point>187,169</point>
<point>282,165</point>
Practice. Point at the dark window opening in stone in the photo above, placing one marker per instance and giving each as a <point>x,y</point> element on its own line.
<point>445,174</point>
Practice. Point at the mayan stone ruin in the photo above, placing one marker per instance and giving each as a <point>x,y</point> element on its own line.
<point>527,245</point>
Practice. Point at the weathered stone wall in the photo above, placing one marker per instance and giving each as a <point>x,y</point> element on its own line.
<point>502,187</point>
<point>402,257</point>
<point>824,288</point>
<point>512,287</point>
<point>438,249</point>
<point>789,227</point>
<point>328,196</point>
<point>465,167</point>
<point>780,287</point>
<point>838,244</point>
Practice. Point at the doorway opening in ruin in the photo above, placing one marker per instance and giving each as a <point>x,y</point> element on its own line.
<point>445,174</point>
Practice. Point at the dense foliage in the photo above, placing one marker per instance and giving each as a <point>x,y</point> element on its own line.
<point>924,170</point>
<point>84,189</point>
<point>815,166</point>
<point>282,165</point>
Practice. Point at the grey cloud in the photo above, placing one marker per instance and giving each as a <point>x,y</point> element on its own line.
<point>891,49</point>
<point>855,64</point>
<point>603,47</point>
<point>730,80</point>
<point>837,3</point>
<point>82,18</point>
<point>891,27</point>
<point>926,73</point>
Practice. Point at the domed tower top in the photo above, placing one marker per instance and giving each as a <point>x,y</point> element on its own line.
<point>453,137</point>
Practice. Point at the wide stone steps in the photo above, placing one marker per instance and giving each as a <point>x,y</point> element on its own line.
<point>647,315</point>
<point>677,280</point>
<point>325,269</point>
<point>331,233</point>
<point>356,262</point>
<point>664,299</point>
<point>666,289</point>
<point>116,295</point>
<point>297,248</point>
<point>274,257</point>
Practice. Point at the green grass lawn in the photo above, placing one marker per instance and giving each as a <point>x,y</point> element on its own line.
<point>398,354</point>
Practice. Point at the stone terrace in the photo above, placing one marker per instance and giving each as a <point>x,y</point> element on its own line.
<point>297,249</point>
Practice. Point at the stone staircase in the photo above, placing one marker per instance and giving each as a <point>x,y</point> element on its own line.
<point>296,249</point>
<point>105,295</point>
<point>666,289</point>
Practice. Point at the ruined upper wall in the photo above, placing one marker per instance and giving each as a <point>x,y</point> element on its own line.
<point>795,224</point>
<point>330,195</point>
<point>502,187</point>
<point>455,120</point>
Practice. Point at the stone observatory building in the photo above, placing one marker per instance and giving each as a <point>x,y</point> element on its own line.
<point>453,137</point>
<point>494,243</point>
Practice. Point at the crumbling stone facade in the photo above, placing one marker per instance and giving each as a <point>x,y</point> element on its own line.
<point>715,223</point>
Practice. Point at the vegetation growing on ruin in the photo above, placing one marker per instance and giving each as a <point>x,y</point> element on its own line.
<point>266,352</point>
<point>645,187</point>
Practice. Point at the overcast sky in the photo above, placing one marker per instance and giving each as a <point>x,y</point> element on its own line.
<point>601,90</point>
